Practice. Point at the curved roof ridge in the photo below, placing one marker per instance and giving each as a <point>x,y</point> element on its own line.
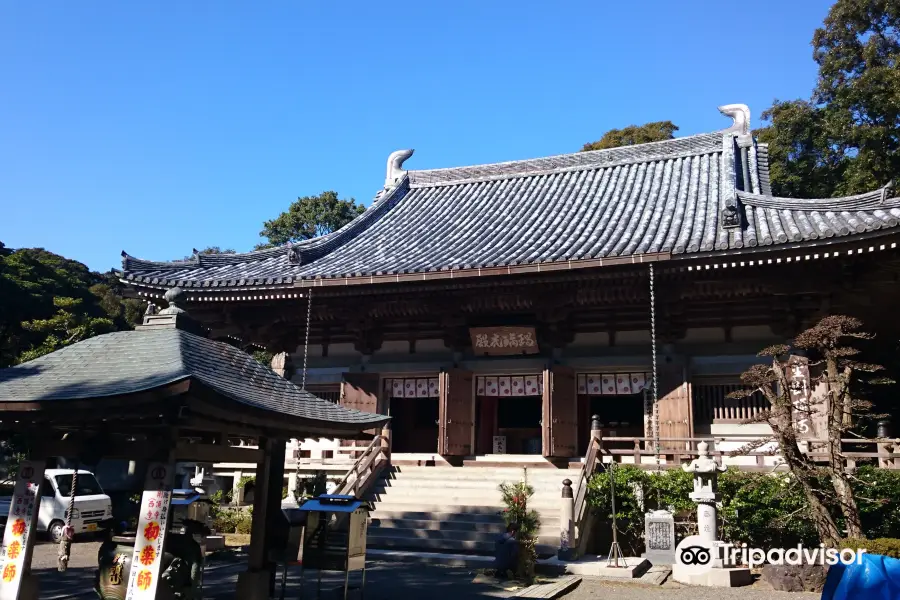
<point>309,250</point>
<point>683,146</point>
<point>868,200</point>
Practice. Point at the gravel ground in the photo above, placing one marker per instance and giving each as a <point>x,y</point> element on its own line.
<point>595,588</point>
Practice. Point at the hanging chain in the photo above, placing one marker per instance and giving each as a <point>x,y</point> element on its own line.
<point>65,544</point>
<point>655,418</point>
<point>306,341</point>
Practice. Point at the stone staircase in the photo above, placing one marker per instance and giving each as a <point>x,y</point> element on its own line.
<point>455,510</point>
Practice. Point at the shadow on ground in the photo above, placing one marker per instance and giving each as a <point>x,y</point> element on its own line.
<point>383,581</point>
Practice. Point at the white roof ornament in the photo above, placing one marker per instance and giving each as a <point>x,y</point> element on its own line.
<point>395,170</point>
<point>740,113</point>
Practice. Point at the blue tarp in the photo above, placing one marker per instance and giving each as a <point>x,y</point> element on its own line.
<point>875,578</point>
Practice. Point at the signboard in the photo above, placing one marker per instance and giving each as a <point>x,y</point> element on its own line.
<point>20,527</point>
<point>356,539</point>
<point>499,341</point>
<point>151,532</point>
<point>801,397</point>
<point>499,444</point>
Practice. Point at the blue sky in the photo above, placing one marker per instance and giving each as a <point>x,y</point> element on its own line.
<point>156,127</point>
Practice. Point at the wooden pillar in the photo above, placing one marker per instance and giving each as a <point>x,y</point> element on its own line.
<point>386,441</point>
<point>255,583</point>
<point>675,410</point>
<point>559,415</point>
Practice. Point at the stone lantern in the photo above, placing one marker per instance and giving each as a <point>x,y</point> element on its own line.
<point>706,472</point>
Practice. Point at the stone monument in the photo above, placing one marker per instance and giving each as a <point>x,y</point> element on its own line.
<point>659,537</point>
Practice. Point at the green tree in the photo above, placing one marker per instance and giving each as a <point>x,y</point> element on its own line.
<point>309,217</point>
<point>69,325</point>
<point>36,286</point>
<point>212,250</point>
<point>803,161</point>
<point>634,134</point>
<point>845,139</point>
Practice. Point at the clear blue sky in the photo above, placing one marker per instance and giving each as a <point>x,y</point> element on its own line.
<point>156,127</point>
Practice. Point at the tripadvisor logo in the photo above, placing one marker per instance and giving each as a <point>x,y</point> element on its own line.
<point>697,555</point>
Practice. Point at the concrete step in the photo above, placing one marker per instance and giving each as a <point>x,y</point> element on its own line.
<point>442,545</point>
<point>471,561</point>
<point>377,533</point>
<point>483,473</point>
<point>476,514</point>
<point>423,494</point>
<point>455,504</point>
<point>488,484</point>
<point>549,529</point>
<point>495,527</point>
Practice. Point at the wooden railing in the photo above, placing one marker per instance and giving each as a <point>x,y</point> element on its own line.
<point>674,452</point>
<point>367,467</point>
<point>581,513</point>
<point>712,404</point>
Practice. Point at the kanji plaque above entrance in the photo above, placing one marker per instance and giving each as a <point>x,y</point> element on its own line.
<point>492,341</point>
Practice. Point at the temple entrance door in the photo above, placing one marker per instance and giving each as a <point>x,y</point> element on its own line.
<point>674,406</point>
<point>455,413</point>
<point>559,423</point>
<point>360,391</point>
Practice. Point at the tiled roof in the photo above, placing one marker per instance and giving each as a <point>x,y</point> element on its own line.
<point>665,197</point>
<point>127,362</point>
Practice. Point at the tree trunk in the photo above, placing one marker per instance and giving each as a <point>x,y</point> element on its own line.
<point>829,534</point>
<point>781,420</point>
<point>840,480</point>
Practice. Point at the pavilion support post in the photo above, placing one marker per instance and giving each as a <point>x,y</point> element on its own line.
<point>22,583</point>
<point>386,442</point>
<point>256,582</point>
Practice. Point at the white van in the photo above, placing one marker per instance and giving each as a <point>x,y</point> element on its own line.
<point>91,504</point>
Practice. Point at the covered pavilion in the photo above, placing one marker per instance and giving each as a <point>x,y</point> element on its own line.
<point>166,393</point>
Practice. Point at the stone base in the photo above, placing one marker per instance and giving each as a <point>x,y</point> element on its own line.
<point>660,558</point>
<point>215,542</point>
<point>596,566</point>
<point>733,577</point>
<point>254,585</point>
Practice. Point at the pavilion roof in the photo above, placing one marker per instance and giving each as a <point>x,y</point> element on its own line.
<point>669,198</point>
<point>152,357</point>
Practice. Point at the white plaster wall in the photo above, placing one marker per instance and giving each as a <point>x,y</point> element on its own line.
<point>344,349</point>
<point>430,346</point>
<point>625,338</point>
<point>599,338</point>
<point>704,334</point>
<point>745,333</point>
<point>393,347</point>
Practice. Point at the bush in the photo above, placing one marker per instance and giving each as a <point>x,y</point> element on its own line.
<point>515,498</point>
<point>639,491</point>
<point>877,493</point>
<point>763,510</point>
<point>311,487</point>
<point>882,546</point>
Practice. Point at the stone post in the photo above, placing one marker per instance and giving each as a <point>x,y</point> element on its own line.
<point>706,471</point>
<point>237,490</point>
<point>721,572</point>
<point>567,522</point>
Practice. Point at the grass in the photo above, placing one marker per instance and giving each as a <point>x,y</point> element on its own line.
<point>235,540</point>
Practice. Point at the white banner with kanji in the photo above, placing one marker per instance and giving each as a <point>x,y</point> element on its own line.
<point>20,526</point>
<point>151,532</point>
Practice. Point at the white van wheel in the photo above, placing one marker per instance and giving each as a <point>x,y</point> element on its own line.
<point>56,531</point>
